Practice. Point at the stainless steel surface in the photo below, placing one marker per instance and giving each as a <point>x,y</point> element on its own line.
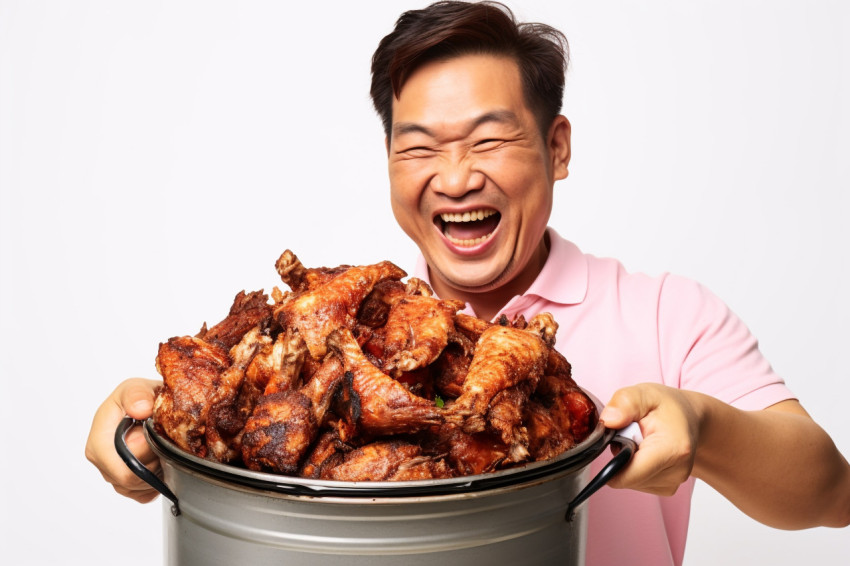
<point>232,515</point>
<point>223,525</point>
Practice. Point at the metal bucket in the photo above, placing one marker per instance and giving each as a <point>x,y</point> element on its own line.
<point>224,515</point>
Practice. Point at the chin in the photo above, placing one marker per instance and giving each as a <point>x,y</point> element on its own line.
<point>476,279</point>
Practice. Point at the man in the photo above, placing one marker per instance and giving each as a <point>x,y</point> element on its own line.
<point>470,103</point>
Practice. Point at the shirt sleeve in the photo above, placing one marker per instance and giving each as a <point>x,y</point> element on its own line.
<point>705,347</point>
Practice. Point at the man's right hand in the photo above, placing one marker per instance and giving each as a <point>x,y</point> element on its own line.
<point>134,398</point>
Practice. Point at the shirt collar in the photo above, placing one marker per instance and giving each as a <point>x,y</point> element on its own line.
<point>562,280</point>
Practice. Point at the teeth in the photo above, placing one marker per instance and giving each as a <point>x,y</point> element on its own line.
<point>468,216</point>
<point>472,242</point>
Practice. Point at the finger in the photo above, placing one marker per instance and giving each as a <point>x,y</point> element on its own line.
<point>138,445</point>
<point>136,397</point>
<point>653,469</point>
<point>115,471</point>
<point>141,495</point>
<point>627,405</point>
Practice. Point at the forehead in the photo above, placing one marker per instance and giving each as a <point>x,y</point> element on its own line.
<point>460,90</point>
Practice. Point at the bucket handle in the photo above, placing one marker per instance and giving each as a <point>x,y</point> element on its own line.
<point>137,467</point>
<point>629,438</point>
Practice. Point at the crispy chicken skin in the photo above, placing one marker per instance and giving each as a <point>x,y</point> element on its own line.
<point>300,278</point>
<point>471,327</point>
<point>328,452</point>
<point>375,308</point>
<point>377,403</point>
<point>285,423</point>
<point>449,370</point>
<point>416,331</point>
<point>356,375</point>
<point>225,420</point>
<point>504,357</point>
<point>470,454</point>
<point>559,414</point>
<point>248,311</point>
<point>332,304</point>
<point>281,370</point>
<point>191,370</point>
<point>395,460</point>
<point>505,418</point>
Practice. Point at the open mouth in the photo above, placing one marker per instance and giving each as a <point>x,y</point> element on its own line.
<point>468,228</point>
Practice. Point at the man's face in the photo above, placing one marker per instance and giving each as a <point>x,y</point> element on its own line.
<point>471,175</point>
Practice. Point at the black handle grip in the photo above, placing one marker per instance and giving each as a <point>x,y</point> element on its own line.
<point>137,467</point>
<point>611,469</point>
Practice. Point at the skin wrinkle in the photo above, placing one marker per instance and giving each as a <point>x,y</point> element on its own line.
<point>496,116</point>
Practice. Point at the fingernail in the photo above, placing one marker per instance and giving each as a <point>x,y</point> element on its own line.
<point>610,415</point>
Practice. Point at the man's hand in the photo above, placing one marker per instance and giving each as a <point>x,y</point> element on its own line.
<point>133,397</point>
<point>670,429</point>
<point>777,465</point>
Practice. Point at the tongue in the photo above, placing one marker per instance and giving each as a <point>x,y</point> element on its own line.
<point>471,230</point>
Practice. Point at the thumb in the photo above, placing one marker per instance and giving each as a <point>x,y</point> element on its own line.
<point>136,397</point>
<point>626,406</point>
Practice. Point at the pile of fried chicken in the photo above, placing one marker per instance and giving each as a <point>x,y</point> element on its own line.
<point>356,375</point>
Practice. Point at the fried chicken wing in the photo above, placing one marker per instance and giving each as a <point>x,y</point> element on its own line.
<point>375,307</point>
<point>191,370</point>
<point>332,304</point>
<point>504,357</point>
<point>449,370</point>
<point>545,437</point>
<point>394,460</point>
<point>470,326</point>
<point>327,452</point>
<point>248,311</point>
<point>378,404</point>
<point>558,415</point>
<point>470,454</point>
<point>300,278</point>
<point>225,419</point>
<point>283,366</point>
<point>275,367</point>
<point>416,331</point>
<point>285,423</point>
<point>505,418</point>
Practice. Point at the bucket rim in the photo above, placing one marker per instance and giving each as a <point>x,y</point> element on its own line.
<point>573,459</point>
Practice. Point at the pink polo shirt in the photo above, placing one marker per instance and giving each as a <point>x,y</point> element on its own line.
<point>618,329</point>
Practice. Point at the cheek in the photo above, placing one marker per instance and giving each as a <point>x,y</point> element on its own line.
<point>521,177</point>
<point>403,201</point>
<point>406,186</point>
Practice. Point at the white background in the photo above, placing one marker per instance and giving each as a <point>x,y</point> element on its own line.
<point>156,157</point>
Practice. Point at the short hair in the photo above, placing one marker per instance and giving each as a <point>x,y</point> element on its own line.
<point>445,30</point>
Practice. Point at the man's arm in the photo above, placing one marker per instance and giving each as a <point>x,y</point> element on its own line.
<point>776,465</point>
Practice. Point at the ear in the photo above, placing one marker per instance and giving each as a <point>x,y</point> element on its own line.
<point>387,144</point>
<point>558,144</point>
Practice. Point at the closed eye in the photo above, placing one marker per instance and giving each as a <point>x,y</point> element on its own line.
<point>416,151</point>
<point>488,144</point>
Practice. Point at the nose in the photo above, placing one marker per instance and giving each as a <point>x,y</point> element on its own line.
<point>456,176</point>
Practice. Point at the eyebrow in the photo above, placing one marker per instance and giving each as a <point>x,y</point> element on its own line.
<point>497,116</point>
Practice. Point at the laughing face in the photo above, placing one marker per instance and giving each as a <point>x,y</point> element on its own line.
<point>471,177</point>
